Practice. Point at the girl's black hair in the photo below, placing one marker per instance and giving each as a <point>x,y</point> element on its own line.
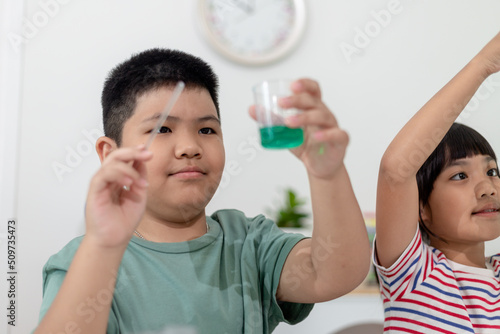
<point>459,142</point>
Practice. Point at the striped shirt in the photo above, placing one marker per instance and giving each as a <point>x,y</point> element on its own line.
<point>424,292</point>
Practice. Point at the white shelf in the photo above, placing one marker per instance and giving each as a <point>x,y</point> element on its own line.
<point>328,317</point>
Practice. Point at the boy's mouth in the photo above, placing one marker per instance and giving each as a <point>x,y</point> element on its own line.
<point>188,172</point>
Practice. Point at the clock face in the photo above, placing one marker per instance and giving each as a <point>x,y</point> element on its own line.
<point>253,31</point>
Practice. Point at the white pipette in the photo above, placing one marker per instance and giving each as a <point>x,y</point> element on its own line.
<point>164,114</point>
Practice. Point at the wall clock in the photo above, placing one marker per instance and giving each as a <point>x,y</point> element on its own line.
<point>253,32</point>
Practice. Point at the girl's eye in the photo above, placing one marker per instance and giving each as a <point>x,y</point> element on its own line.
<point>206,131</point>
<point>459,176</point>
<point>164,129</point>
<point>493,172</point>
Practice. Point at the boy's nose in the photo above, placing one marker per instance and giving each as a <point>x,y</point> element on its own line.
<point>188,148</point>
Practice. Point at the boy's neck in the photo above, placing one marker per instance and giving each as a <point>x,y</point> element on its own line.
<point>159,230</point>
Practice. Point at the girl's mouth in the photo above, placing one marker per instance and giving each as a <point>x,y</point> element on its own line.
<point>486,212</point>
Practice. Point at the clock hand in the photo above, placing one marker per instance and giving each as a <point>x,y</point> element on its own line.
<point>252,6</point>
<point>243,5</point>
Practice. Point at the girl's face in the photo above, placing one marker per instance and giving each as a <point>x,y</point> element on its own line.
<point>464,206</point>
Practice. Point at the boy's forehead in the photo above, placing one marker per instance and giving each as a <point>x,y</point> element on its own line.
<point>193,102</point>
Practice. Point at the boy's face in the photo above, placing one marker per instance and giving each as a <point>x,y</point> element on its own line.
<point>464,204</point>
<point>188,152</point>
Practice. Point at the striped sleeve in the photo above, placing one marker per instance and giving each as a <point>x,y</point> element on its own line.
<point>409,270</point>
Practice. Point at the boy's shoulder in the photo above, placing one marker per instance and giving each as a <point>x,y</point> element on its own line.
<point>236,219</point>
<point>236,224</point>
<point>234,214</point>
<point>63,258</point>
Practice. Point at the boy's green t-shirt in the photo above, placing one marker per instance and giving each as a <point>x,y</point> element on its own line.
<point>223,282</point>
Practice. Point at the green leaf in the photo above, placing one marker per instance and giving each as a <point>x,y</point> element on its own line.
<point>290,213</point>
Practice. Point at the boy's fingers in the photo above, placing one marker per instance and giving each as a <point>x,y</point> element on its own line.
<point>303,101</point>
<point>252,112</point>
<point>306,85</point>
<point>141,169</point>
<point>128,154</point>
<point>315,118</point>
<point>335,135</point>
<point>120,174</point>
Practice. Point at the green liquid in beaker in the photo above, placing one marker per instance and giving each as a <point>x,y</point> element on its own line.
<point>279,136</point>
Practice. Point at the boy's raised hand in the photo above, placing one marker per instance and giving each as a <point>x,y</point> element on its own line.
<point>337,218</point>
<point>112,213</point>
<point>325,143</point>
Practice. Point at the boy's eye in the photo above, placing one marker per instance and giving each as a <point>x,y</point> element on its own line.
<point>459,176</point>
<point>164,129</point>
<point>206,131</point>
<point>493,172</point>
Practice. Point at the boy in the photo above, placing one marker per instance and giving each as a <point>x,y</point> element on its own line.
<point>151,259</point>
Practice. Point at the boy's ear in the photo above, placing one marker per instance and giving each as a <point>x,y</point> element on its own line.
<point>104,146</point>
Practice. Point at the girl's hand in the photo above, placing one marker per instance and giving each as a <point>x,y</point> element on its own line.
<point>112,212</point>
<point>489,56</point>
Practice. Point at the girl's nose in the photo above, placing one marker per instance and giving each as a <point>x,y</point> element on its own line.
<point>486,188</point>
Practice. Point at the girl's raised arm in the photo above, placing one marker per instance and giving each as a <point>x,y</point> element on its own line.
<point>397,193</point>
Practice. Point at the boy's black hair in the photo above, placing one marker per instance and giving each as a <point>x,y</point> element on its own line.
<point>147,71</point>
<point>459,142</point>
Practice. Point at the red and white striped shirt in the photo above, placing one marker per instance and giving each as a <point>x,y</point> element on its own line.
<point>424,292</point>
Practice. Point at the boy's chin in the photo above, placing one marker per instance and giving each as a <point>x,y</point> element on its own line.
<point>188,213</point>
<point>180,213</point>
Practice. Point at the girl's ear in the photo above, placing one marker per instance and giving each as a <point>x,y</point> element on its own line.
<point>104,146</point>
<point>425,214</point>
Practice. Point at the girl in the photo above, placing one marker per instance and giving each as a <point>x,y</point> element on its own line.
<point>445,177</point>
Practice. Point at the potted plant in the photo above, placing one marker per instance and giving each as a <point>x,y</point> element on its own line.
<point>290,215</point>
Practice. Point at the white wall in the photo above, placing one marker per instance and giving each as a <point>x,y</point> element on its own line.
<point>372,95</point>
<point>10,77</point>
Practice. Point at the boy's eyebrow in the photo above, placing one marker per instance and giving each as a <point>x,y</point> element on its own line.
<point>177,119</point>
<point>155,117</point>
<point>208,118</point>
